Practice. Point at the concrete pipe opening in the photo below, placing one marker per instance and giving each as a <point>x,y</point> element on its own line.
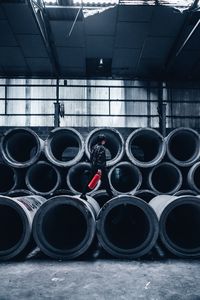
<point>21,147</point>
<point>101,197</point>
<point>64,227</point>
<point>114,144</point>
<point>194,177</point>
<point>127,227</point>
<point>8,179</point>
<point>78,176</point>
<point>42,178</point>
<point>11,229</point>
<point>183,146</point>
<point>64,147</point>
<point>180,226</point>
<point>146,195</point>
<point>165,178</point>
<point>125,178</point>
<point>145,147</point>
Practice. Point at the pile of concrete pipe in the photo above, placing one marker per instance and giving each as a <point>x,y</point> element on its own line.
<point>155,182</point>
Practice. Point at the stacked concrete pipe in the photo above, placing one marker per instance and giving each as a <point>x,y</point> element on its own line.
<point>64,227</point>
<point>179,223</point>
<point>127,227</point>
<point>16,218</point>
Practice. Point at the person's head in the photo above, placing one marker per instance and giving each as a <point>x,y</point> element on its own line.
<point>101,139</point>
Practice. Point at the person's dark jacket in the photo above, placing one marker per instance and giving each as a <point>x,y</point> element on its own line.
<point>98,157</point>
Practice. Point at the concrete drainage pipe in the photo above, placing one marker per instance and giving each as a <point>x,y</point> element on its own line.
<point>127,227</point>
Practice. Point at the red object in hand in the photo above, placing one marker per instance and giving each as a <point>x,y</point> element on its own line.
<point>94,180</point>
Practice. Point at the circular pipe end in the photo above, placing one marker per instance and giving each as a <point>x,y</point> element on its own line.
<point>21,147</point>
<point>8,179</point>
<point>64,147</point>
<point>64,227</point>
<point>127,227</point>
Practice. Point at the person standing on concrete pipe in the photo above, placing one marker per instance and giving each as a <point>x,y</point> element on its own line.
<point>98,162</point>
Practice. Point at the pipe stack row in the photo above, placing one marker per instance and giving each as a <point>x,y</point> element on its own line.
<point>155,181</point>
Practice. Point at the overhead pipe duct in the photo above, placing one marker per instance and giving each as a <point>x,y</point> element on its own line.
<point>21,147</point>
<point>43,178</point>
<point>165,178</point>
<point>145,147</point>
<point>8,179</point>
<point>101,196</point>
<point>193,177</point>
<point>125,178</point>
<point>185,192</point>
<point>127,227</point>
<point>179,223</point>
<point>146,195</point>
<point>64,227</point>
<point>183,146</point>
<point>20,193</point>
<point>78,176</point>
<point>64,147</point>
<point>16,217</point>
<point>114,144</point>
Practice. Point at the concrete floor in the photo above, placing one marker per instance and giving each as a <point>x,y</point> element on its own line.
<point>35,278</point>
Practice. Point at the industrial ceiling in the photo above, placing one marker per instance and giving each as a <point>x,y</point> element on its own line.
<point>131,39</point>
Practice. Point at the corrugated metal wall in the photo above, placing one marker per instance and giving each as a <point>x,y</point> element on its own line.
<point>94,103</point>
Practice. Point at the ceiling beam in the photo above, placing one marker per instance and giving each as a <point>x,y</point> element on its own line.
<point>42,21</point>
<point>180,41</point>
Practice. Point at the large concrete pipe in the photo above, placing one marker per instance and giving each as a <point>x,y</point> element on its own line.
<point>185,192</point>
<point>125,178</point>
<point>78,176</point>
<point>165,178</point>
<point>63,192</point>
<point>145,147</point>
<point>183,146</point>
<point>16,217</point>
<point>20,193</point>
<point>64,227</point>
<point>179,223</point>
<point>8,178</point>
<point>127,227</point>
<point>21,147</point>
<point>114,145</point>
<point>194,177</point>
<point>101,197</point>
<point>146,195</point>
<point>43,178</point>
<point>64,147</point>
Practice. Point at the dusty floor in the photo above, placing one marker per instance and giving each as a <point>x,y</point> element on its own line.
<point>172,279</point>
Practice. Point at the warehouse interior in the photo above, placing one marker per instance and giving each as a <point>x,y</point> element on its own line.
<point>71,72</point>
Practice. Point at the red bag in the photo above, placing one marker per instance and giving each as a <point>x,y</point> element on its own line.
<point>92,184</point>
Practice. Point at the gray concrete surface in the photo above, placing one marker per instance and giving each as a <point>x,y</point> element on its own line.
<point>100,279</point>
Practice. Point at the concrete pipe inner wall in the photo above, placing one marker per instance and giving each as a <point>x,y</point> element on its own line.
<point>21,147</point>
<point>114,144</point>
<point>179,219</point>
<point>101,197</point>
<point>127,227</point>
<point>145,147</point>
<point>125,178</point>
<point>78,176</point>
<point>8,178</point>
<point>165,178</point>
<point>64,147</point>
<point>183,146</point>
<point>65,226</point>
<point>43,178</point>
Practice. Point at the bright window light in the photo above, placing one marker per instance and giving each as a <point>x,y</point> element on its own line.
<point>51,1</point>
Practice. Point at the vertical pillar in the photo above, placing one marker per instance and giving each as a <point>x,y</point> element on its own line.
<point>57,106</point>
<point>161,110</point>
